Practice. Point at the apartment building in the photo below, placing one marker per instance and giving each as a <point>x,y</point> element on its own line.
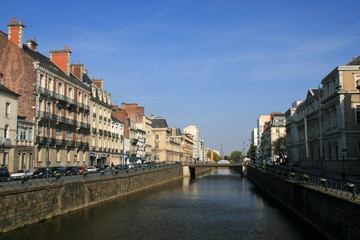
<point>195,133</point>
<point>8,126</point>
<point>273,130</point>
<point>324,130</point>
<point>164,146</point>
<point>50,96</point>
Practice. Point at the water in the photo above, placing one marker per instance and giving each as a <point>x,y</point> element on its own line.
<point>221,205</point>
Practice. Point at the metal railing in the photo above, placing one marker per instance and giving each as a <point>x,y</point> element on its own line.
<point>25,182</point>
<point>340,187</point>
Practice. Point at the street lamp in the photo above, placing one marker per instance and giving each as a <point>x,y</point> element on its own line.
<point>47,98</point>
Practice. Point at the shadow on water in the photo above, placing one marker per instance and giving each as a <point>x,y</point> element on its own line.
<point>290,216</point>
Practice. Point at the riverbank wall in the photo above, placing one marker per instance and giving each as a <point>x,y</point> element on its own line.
<point>336,217</point>
<point>21,207</point>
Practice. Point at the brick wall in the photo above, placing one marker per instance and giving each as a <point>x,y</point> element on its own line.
<point>31,205</point>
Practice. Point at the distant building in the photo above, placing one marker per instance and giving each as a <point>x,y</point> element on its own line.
<point>273,130</point>
<point>164,146</point>
<point>195,133</point>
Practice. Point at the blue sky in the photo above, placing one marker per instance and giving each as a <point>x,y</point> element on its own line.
<point>217,64</point>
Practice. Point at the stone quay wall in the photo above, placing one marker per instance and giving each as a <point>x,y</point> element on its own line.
<point>20,207</point>
<point>336,217</point>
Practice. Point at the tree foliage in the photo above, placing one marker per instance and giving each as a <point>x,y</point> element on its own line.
<point>251,152</point>
<point>215,156</point>
<point>280,147</point>
<point>235,156</point>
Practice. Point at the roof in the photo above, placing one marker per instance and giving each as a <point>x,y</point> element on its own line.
<point>354,61</point>
<point>159,123</point>
<point>5,89</point>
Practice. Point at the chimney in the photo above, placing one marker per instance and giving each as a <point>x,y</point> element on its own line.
<point>62,58</point>
<point>78,70</point>
<point>98,82</point>
<point>16,32</point>
<point>32,44</point>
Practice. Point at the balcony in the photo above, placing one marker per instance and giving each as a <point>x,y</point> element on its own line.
<point>85,125</point>
<point>5,141</point>
<point>70,143</point>
<point>46,92</point>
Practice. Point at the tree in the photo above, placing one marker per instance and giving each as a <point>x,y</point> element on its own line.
<point>251,152</point>
<point>235,156</point>
<point>216,157</point>
<point>279,147</point>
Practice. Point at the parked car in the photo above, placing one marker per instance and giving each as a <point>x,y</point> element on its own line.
<point>61,170</point>
<point>4,175</point>
<point>82,170</point>
<point>22,172</point>
<point>131,166</point>
<point>72,170</point>
<point>92,169</point>
<point>41,172</point>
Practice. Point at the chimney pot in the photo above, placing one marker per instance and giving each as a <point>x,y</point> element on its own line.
<point>16,32</point>
<point>12,20</point>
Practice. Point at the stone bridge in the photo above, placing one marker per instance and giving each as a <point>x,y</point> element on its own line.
<point>190,169</point>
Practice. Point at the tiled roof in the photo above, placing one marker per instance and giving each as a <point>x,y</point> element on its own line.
<point>159,123</point>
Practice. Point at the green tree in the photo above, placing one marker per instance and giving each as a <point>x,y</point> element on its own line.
<point>215,156</point>
<point>279,147</point>
<point>235,156</point>
<point>251,152</point>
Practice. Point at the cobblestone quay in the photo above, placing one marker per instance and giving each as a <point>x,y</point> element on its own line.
<point>335,216</point>
<point>29,205</point>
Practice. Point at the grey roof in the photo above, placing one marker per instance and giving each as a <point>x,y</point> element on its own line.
<point>354,61</point>
<point>177,132</point>
<point>5,89</point>
<point>159,123</point>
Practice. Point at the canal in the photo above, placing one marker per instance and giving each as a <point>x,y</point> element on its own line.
<point>219,205</point>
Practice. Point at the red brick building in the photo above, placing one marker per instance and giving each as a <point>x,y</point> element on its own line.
<point>50,92</point>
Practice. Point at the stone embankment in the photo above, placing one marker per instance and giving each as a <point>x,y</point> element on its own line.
<point>337,217</point>
<point>20,207</point>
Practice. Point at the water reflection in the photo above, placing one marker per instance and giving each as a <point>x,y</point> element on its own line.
<point>219,205</point>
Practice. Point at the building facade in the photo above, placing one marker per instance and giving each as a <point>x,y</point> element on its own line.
<point>50,96</point>
<point>324,130</point>
<point>194,131</point>
<point>8,127</point>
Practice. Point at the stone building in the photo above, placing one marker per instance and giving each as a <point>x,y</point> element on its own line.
<point>324,130</point>
<point>164,146</point>
<point>273,130</point>
<point>8,127</point>
<point>51,96</point>
<point>187,148</point>
<point>194,131</point>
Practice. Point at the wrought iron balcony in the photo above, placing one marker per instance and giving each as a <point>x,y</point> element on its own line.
<point>5,141</point>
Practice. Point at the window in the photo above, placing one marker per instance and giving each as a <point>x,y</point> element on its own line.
<point>68,134</point>
<point>58,132</point>
<point>157,136</point>
<point>22,134</point>
<point>6,131</point>
<point>23,160</point>
<point>7,110</point>
<point>156,145</point>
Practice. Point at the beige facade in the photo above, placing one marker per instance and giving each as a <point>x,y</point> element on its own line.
<point>187,148</point>
<point>324,130</point>
<point>105,142</point>
<point>274,130</point>
<point>8,126</point>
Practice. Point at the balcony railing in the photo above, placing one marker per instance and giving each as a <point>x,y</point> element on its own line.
<point>85,125</point>
<point>5,141</point>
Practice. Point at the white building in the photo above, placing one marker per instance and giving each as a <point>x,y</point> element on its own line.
<point>194,131</point>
